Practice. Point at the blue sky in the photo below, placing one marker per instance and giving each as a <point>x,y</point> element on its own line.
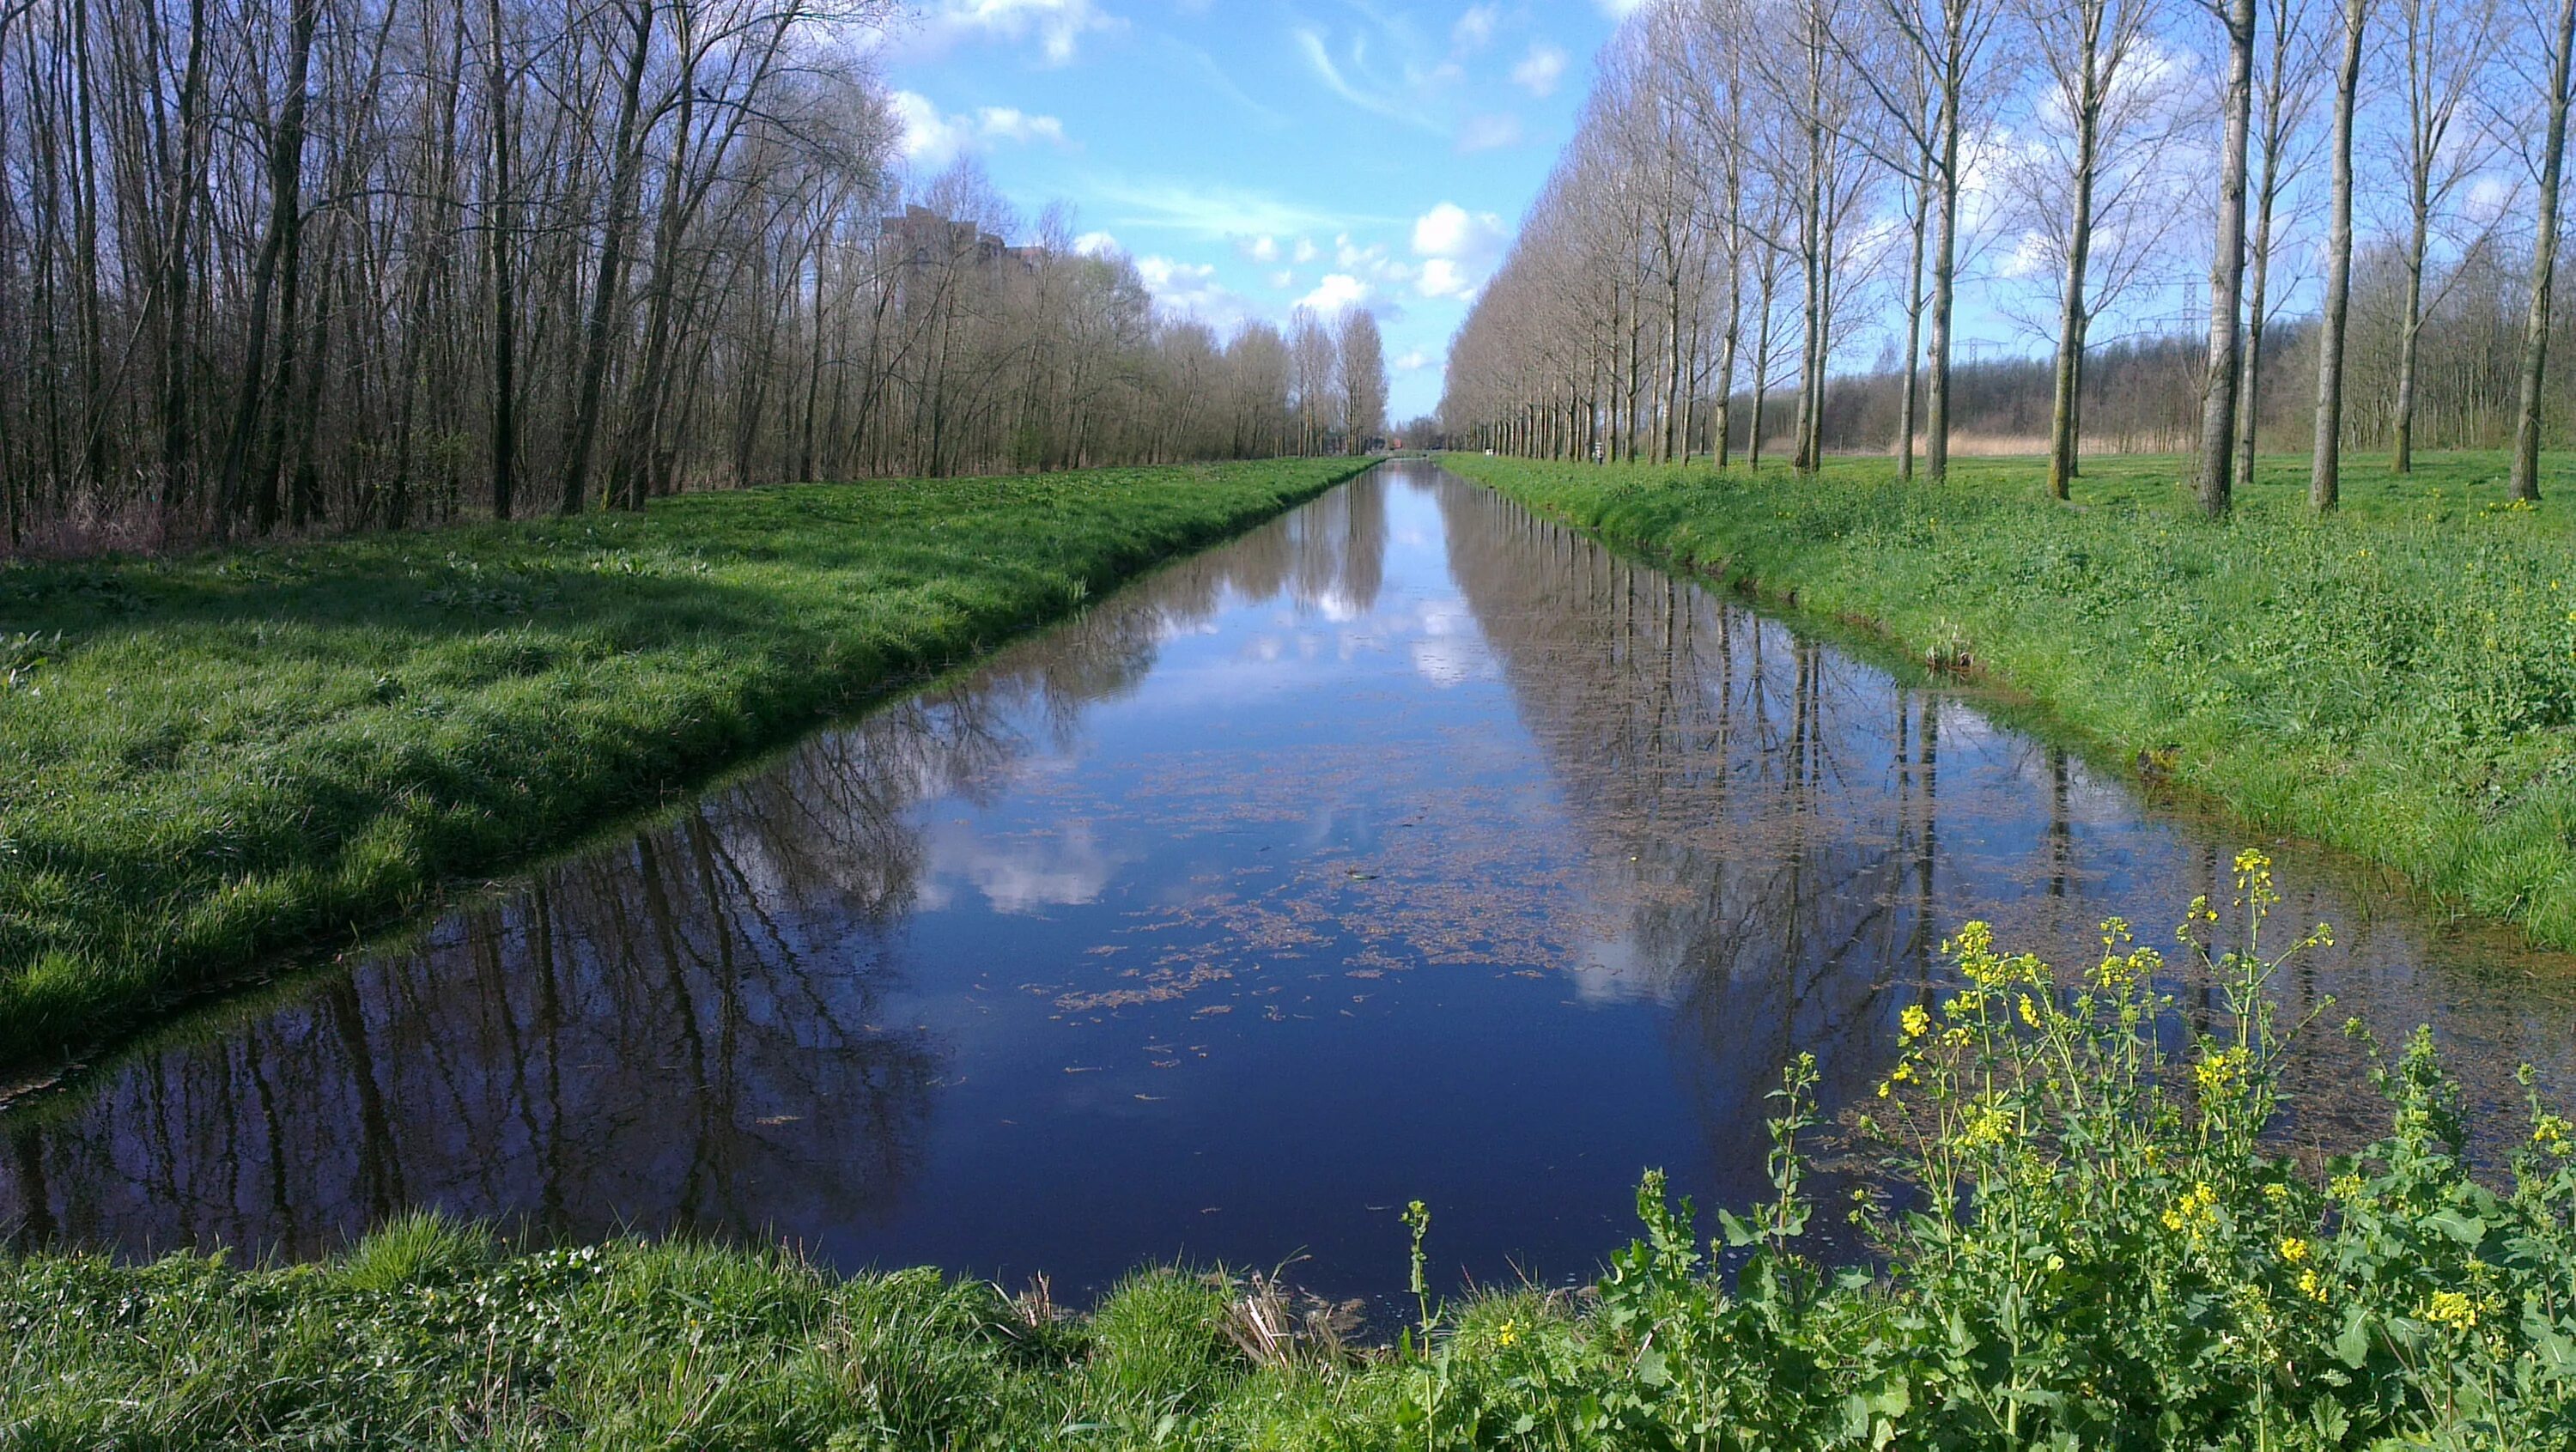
<point>1255,154</point>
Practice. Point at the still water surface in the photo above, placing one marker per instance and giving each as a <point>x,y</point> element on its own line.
<point>1409,846</point>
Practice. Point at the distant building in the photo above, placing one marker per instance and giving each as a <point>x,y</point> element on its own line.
<point>924,238</point>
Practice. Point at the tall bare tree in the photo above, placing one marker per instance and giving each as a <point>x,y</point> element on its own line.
<point>2214,481</point>
<point>2558,41</point>
<point>2326,461</point>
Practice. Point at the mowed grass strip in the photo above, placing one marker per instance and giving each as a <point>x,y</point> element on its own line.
<point>2398,680</point>
<point>210,760</point>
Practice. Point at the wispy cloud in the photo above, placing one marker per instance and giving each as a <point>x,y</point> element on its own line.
<point>1219,213</point>
<point>1319,59</point>
<point>1058,26</point>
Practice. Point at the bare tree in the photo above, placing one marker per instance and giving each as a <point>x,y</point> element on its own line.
<point>2442,51</point>
<point>2326,462</point>
<point>2088,53</point>
<point>1363,375</point>
<point>2227,264</point>
<point>2558,41</point>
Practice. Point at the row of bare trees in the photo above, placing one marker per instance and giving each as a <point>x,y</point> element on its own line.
<point>297,265</point>
<point>1759,186</point>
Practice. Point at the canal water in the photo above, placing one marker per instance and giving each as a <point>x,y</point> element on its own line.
<point>1409,847</point>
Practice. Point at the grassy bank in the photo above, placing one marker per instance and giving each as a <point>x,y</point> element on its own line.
<point>2125,1268</point>
<point>2398,681</point>
<point>209,760</point>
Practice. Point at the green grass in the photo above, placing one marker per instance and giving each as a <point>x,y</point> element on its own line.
<point>2105,1256</point>
<point>207,762</point>
<point>2398,681</point>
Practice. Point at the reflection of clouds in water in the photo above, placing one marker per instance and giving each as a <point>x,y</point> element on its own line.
<point>1443,618</point>
<point>1451,662</point>
<point>1450,649</point>
<point>1614,970</point>
<point>1018,875</point>
<point>1175,627</point>
<point>1340,607</point>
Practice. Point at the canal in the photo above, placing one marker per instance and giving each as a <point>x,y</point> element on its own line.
<point>1409,847</point>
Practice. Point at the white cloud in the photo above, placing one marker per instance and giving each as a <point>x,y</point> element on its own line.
<point>1305,253</point>
<point>1450,230</point>
<point>1369,261</point>
<point>1444,278</point>
<point>1009,123</point>
<point>1258,249</point>
<point>1413,361</point>
<point>1098,244</point>
<point>1056,25</point>
<point>1459,249</point>
<point>932,138</point>
<point>1335,293</point>
<point>1540,70</point>
<point>1190,289</point>
<point>1488,133</point>
<point>1475,29</point>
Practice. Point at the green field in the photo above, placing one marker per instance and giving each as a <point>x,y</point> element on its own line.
<point>211,761</point>
<point>2398,681</point>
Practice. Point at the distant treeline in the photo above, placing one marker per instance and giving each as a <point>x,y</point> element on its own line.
<point>323,264</point>
<point>2357,206</point>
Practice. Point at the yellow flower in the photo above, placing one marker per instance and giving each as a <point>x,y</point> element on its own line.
<point>1509,1336</point>
<point>2312,1285</point>
<point>2276,1192</point>
<point>2195,1212</point>
<point>2293,1250</point>
<point>2220,1073</point>
<point>2347,1187</point>
<point>1917,1021</point>
<point>1988,1127</point>
<point>2451,1308</point>
<point>2550,1133</point>
<point>2029,1011</point>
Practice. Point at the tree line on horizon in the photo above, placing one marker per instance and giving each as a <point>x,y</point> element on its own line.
<point>2223,223</point>
<point>297,266</point>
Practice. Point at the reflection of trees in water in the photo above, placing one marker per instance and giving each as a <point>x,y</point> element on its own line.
<point>1775,812</point>
<point>653,1035</point>
<point>1330,553</point>
<point>1709,757</point>
<point>685,1029</point>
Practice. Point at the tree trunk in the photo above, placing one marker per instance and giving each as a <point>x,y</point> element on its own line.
<point>279,251</point>
<point>2544,264</point>
<point>625,161</point>
<point>505,304</point>
<point>1906,424</point>
<point>2326,463</point>
<point>2064,437</point>
<point>2409,331</point>
<point>1945,273</point>
<point>2227,271</point>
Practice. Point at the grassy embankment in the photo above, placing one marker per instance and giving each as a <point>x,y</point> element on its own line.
<point>2399,681</point>
<point>2125,1268</point>
<point>208,761</point>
